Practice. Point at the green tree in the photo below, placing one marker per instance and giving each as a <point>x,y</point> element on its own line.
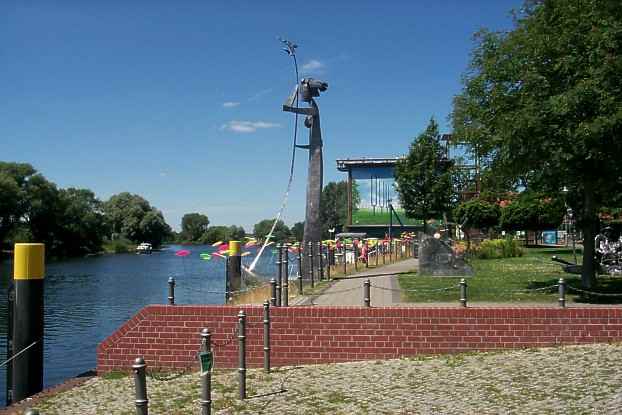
<point>424,177</point>
<point>334,206</point>
<point>236,233</point>
<point>42,210</point>
<point>262,229</point>
<point>193,226</point>
<point>298,230</point>
<point>13,180</point>
<point>543,102</point>
<point>80,225</point>
<point>532,211</point>
<point>132,217</point>
<point>477,214</point>
<point>215,234</point>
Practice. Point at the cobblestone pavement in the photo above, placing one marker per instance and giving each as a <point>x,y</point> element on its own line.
<point>568,380</point>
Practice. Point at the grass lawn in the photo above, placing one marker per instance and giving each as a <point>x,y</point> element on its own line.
<point>365,216</point>
<point>511,280</point>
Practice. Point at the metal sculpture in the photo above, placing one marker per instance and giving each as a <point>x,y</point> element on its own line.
<point>307,90</point>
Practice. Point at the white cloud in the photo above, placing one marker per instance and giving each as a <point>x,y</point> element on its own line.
<point>259,94</point>
<point>230,104</point>
<point>313,66</point>
<point>247,126</point>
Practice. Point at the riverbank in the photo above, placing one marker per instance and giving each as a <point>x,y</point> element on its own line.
<point>571,379</point>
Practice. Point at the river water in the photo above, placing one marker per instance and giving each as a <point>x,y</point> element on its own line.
<point>87,299</point>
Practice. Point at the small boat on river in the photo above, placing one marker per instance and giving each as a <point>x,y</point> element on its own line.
<point>144,248</point>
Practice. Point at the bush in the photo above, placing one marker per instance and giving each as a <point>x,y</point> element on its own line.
<point>118,246</point>
<point>498,248</point>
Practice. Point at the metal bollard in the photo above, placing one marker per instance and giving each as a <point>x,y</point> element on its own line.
<point>463,293</point>
<point>242,353</point>
<point>273,292</point>
<point>310,256</point>
<point>320,257</point>
<point>366,293</point>
<point>171,290</point>
<point>206,378</point>
<point>140,383</point>
<point>300,284</point>
<point>562,292</point>
<point>266,336</point>
<point>285,287</point>
<point>279,274</point>
<point>329,260</point>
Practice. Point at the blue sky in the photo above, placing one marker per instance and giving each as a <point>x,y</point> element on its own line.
<point>180,102</point>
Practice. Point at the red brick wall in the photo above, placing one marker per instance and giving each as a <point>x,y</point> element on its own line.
<point>168,336</point>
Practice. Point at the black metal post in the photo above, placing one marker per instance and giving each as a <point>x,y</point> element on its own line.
<point>9,343</point>
<point>285,288</point>
<point>300,285</point>
<point>463,293</point>
<point>279,273</point>
<point>206,378</point>
<point>562,292</point>
<point>366,254</point>
<point>320,257</point>
<point>140,384</point>
<point>344,257</point>
<point>266,336</point>
<point>273,292</point>
<point>310,258</point>
<point>329,259</point>
<point>28,322</point>
<point>171,290</point>
<point>355,247</point>
<point>367,293</point>
<point>242,353</point>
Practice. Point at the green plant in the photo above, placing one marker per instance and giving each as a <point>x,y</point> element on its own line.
<point>498,248</point>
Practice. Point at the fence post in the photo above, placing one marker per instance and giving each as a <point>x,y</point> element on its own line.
<point>329,259</point>
<point>310,256</point>
<point>171,290</point>
<point>320,257</point>
<point>355,247</point>
<point>345,256</point>
<point>140,383</point>
<point>463,292</point>
<point>366,293</point>
<point>242,353</point>
<point>273,292</point>
<point>279,274</point>
<point>285,287</point>
<point>562,292</point>
<point>266,336</point>
<point>300,246</point>
<point>300,284</point>
<point>206,378</point>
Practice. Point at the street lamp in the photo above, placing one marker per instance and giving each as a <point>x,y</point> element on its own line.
<point>569,223</point>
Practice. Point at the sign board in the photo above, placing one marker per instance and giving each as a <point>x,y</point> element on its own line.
<point>549,237</point>
<point>206,359</point>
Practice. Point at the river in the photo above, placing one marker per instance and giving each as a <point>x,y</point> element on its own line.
<point>87,299</point>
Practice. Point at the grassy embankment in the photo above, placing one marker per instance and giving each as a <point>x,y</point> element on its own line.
<point>512,280</point>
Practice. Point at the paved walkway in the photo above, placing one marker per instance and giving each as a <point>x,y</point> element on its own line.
<point>385,290</point>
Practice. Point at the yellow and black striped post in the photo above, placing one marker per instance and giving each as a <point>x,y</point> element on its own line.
<point>28,276</point>
<point>234,266</point>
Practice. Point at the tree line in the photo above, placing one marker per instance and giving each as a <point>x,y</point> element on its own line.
<point>71,221</point>
<point>195,227</point>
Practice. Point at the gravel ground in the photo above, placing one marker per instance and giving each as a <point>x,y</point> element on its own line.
<point>569,380</point>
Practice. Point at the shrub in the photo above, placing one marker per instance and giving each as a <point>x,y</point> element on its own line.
<point>498,248</point>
